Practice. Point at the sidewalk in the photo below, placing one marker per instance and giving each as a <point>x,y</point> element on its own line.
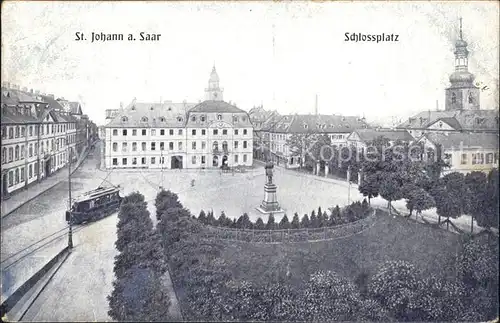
<point>463,222</point>
<point>24,196</point>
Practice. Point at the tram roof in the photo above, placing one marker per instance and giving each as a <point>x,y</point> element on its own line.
<point>98,192</point>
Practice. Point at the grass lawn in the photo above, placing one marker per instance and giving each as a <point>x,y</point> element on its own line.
<point>430,249</point>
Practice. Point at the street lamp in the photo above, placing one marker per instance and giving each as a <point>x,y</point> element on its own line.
<point>70,233</point>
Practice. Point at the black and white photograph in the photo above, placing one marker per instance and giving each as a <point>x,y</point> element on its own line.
<point>250,161</point>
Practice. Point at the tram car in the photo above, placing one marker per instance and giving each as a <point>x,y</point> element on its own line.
<point>94,205</point>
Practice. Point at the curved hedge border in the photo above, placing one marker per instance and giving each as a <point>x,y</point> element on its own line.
<point>289,235</point>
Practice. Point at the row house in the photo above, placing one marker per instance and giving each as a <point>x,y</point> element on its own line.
<point>178,135</point>
<point>283,130</point>
<point>36,138</point>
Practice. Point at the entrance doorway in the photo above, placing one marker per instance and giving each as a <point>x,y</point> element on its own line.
<point>47,167</point>
<point>215,161</point>
<point>224,160</point>
<point>5,185</point>
<point>176,162</point>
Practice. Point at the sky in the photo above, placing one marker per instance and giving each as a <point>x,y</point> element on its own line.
<point>279,54</point>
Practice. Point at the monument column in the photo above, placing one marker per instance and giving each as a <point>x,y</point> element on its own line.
<point>326,170</point>
<point>270,202</point>
<point>317,168</point>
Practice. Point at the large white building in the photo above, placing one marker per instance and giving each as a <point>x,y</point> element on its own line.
<point>179,135</point>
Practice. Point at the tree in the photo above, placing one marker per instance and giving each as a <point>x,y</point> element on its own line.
<point>259,224</point>
<point>211,219</point>
<point>334,216</point>
<point>477,183</point>
<point>314,223</point>
<point>295,221</point>
<point>370,186</point>
<point>202,217</point>
<point>284,223</point>
<point>270,225</point>
<point>305,223</point>
<point>245,222</point>
<point>299,145</point>
<point>222,220</point>
<point>419,200</point>
<point>490,214</point>
<point>390,188</point>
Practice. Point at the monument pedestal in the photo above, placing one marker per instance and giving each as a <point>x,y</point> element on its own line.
<point>270,202</point>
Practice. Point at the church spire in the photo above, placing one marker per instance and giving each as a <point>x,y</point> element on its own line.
<point>461,37</point>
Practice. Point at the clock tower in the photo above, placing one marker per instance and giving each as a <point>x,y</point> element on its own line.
<point>462,93</point>
<point>213,92</point>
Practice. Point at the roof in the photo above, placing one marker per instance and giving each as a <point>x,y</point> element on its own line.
<point>216,106</point>
<point>461,119</point>
<point>139,114</point>
<point>367,135</point>
<point>75,108</point>
<point>469,140</point>
<point>315,123</point>
<point>53,103</point>
<point>100,191</point>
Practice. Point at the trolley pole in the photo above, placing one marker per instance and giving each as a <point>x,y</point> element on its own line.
<point>70,233</point>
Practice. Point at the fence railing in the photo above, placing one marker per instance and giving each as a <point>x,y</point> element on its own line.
<point>289,235</point>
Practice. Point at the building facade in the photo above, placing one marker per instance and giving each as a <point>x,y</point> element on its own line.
<point>169,135</point>
<point>37,138</point>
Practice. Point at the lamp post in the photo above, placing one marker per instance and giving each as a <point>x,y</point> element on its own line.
<point>70,233</point>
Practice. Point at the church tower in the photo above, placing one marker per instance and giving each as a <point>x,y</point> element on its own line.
<point>462,93</point>
<point>213,92</point>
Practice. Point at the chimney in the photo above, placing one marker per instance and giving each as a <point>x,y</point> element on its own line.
<point>316,105</point>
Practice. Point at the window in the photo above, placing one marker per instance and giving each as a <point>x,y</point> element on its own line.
<point>244,158</point>
<point>30,171</point>
<point>474,159</point>
<point>203,159</point>
<point>153,132</point>
<point>4,132</point>
<point>471,98</point>
<point>143,146</point>
<point>193,118</point>
<point>124,132</point>
<point>203,145</point>
<point>115,146</point>
<point>235,119</point>
<point>134,132</point>
<point>489,158</point>
<point>153,146</point>
<point>36,167</point>
<point>202,118</point>
<point>245,144</point>
<point>224,146</point>
<point>193,132</point>
<point>22,174</point>
<point>124,161</point>
<point>179,132</point>
<point>124,147</point>
<point>171,132</point>
<point>143,160</point>
<point>224,131</point>
<point>153,160</point>
<point>496,158</point>
<point>480,158</point>
<point>193,145</point>
<point>30,150</point>
<point>219,117</point>
<point>235,158</point>
<point>144,119</point>
<point>453,98</point>
<point>179,119</point>
<point>244,131</point>
<point>22,151</point>
<point>162,146</point>
<point>17,153</point>
<point>11,179</point>
<point>162,160</point>
<point>11,133</point>
<point>17,175</point>
<point>216,132</point>
<point>17,131</point>
<point>215,145</point>
<point>134,161</point>
<point>193,160</point>
<point>171,146</point>
<point>134,146</point>
<point>235,145</point>
<point>162,132</point>
<point>115,132</point>
<point>124,119</point>
<point>162,119</point>
<point>143,132</point>
<point>23,132</point>
<point>4,155</point>
<point>179,145</point>
<point>236,131</point>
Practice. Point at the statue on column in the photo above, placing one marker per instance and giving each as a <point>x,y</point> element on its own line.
<point>269,172</point>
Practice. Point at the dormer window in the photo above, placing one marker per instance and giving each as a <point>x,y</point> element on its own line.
<point>124,119</point>
<point>202,118</point>
<point>151,108</point>
<point>179,119</point>
<point>169,109</point>
<point>133,107</point>
<point>219,117</point>
<point>471,98</point>
<point>243,119</point>
<point>235,119</point>
<point>193,118</point>
<point>144,119</point>
<point>453,98</point>
<point>440,124</point>
<point>305,126</point>
<point>162,119</point>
